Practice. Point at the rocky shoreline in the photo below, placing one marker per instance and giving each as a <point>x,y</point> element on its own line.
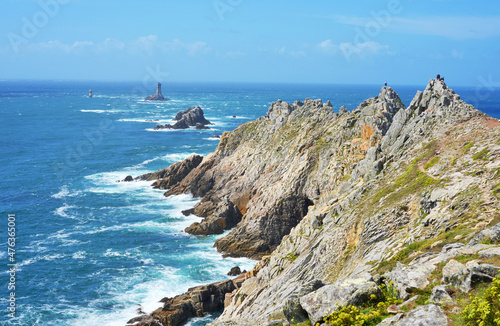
<point>344,203</point>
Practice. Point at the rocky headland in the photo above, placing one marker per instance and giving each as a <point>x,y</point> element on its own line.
<point>340,207</point>
<point>192,117</point>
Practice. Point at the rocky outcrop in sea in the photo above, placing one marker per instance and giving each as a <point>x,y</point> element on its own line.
<point>336,205</point>
<point>192,117</point>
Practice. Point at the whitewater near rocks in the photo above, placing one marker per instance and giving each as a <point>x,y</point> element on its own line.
<point>336,198</point>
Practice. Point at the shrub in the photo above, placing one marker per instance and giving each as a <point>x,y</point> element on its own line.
<point>372,314</point>
<point>484,310</point>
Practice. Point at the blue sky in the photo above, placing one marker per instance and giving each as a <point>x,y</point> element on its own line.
<point>361,42</point>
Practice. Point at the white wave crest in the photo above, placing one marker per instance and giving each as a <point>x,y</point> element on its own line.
<point>64,192</point>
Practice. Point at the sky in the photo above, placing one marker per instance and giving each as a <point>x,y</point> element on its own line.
<point>323,41</point>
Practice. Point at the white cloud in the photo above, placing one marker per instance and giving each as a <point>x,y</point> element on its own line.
<point>350,49</point>
<point>327,46</point>
<point>145,44</point>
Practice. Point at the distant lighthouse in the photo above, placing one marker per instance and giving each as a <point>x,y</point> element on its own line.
<point>158,96</point>
<point>90,93</point>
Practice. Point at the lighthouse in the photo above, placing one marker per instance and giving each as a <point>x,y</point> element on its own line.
<point>158,96</point>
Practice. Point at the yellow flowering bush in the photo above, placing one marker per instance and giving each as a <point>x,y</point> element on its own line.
<point>370,315</point>
<point>485,310</point>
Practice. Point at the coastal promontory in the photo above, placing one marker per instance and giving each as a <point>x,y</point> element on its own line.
<point>386,207</point>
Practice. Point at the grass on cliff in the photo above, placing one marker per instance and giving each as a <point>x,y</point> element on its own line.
<point>407,254</point>
<point>412,181</point>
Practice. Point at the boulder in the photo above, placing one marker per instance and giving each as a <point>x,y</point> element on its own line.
<point>488,235</point>
<point>235,271</point>
<point>429,315</point>
<point>440,295</point>
<point>405,278</point>
<point>330,298</point>
<point>128,178</point>
<point>292,309</point>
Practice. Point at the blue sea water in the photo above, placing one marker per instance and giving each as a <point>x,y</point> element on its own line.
<point>90,250</point>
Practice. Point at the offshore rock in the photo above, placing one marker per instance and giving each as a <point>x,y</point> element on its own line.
<point>192,117</point>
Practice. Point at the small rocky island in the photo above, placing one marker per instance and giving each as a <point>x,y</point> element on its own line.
<point>192,117</point>
<point>158,96</point>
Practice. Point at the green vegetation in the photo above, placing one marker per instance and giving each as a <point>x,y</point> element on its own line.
<point>467,147</point>
<point>305,323</point>
<point>411,182</point>
<point>454,162</point>
<point>431,163</point>
<point>484,309</point>
<point>373,313</point>
<point>481,155</point>
<point>291,256</point>
<point>406,254</point>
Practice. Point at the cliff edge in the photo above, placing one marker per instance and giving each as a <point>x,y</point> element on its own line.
<point>345,202</point>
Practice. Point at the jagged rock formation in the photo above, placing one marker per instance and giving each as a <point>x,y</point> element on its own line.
<point>351,199</point>
<point>158,96</point>
<point>192,117</point>
<point>165,178</point>
<point>422,177</point>
<point>194,303</point>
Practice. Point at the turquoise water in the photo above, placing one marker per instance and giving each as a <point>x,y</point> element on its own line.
<point>90,250</point>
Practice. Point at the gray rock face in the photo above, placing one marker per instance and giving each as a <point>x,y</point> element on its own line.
<point>363,214</point>
<point>173,174</point>
<point>329,298</point>
<point>225,217</point>
<point>406,278</point>
<point>440,295</point>
<point>489,235</point>
<point>429,315</point>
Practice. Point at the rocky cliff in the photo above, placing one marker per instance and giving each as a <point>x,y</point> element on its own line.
<point>348,201</point>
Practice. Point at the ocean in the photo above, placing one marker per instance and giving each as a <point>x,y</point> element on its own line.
<point>90,250</point>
